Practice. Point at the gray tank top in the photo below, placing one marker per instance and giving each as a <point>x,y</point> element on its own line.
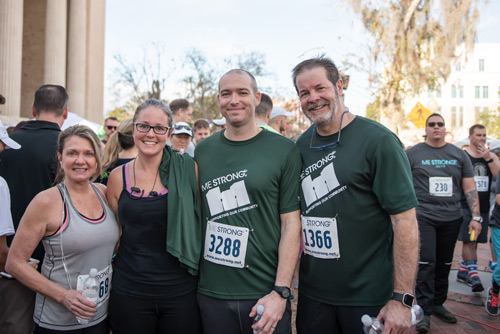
<point>78,245</point>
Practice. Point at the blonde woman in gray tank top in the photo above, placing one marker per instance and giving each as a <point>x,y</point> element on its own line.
<point>78,231</point>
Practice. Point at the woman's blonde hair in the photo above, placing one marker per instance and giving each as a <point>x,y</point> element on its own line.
<point>84,132</point>
<point>122,139</point>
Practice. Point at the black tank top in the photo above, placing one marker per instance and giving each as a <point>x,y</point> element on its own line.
<point>480,168</point>
<point>143,267</point>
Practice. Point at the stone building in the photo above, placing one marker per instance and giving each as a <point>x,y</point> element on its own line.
<point>52,42</point>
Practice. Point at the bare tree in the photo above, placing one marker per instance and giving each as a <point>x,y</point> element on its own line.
<point>416,40</point>
<point>202,83</point>
<point>142,79</point>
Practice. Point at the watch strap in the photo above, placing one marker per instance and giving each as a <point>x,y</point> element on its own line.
<point>478,219</point>
<point>283,291</point>
<point>406,299</point>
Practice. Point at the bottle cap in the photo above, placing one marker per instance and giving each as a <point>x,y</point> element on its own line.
<point>93,272</point>
<point>260,309</point>
<point>366,320</point>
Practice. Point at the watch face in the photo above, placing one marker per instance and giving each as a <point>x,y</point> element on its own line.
<point>408,300</point>
<point>283,291</point>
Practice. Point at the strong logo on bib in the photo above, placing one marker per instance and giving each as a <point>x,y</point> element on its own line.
<point>225,244</point>
<point>320,237</point>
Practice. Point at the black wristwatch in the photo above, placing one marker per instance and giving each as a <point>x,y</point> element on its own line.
<point>283,291</point>
<point>406,298</point>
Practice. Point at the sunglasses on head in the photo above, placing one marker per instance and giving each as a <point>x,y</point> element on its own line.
<point>433,124</point>
<point>179,127</point>
<point>110,127</point>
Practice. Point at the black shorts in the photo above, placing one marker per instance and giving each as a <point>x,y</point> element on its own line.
<point>100,328</point>
<point>231,316</point>
<point>318,317</point>
<point>464,228</point>
<point>133,315</point>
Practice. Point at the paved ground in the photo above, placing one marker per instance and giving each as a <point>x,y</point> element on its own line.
<point>467,306</point>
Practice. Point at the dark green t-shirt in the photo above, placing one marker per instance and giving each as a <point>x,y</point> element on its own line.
<point>245,186</point>
<point>360,183</point>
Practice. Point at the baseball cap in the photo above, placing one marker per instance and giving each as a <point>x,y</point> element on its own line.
<point>182,127</point>
<point>278,111</point>
<point>220,121</point>
<point>4,136</point>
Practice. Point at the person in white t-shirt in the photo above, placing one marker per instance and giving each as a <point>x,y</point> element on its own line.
<point>6,224</point>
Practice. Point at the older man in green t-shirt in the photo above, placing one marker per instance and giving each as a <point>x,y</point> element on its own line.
<point>359,228</point>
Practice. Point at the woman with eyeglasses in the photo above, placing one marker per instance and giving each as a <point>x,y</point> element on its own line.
<point>155,200</point>
<point>78,231</point>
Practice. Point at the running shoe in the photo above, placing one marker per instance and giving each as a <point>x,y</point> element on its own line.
<point>424,326</point>
<point>476,284</point>
<point>492,304</point>
<point>442,313</point>
<point>463,277</point>
<point>492,266</point>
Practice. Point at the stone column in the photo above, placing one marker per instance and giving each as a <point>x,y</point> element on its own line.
<point>77,56</point>
<point>11,47</point>
<point>55,42</point>
<point>95,61</point>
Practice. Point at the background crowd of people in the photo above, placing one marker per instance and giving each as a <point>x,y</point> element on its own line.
<point>190,228</point>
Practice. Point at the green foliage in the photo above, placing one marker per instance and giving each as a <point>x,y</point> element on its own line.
<point>491,120</point>
<point>120,113</point>
<point>373,110</point>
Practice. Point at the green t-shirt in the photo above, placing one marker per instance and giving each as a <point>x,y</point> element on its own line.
<point>245,185</point>
<point>360,183</point>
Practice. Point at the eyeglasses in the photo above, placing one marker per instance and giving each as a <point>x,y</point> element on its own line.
<point>433,124</point>
<point>180,127</point>
<point>332,145</point>
<point>158,129</point>
<point>110,127</point>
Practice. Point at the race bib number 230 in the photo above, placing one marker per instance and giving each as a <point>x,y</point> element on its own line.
<point>320,237</point>
<point>441,186</point>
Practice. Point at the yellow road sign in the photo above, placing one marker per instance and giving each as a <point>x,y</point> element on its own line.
<point>418,115</point>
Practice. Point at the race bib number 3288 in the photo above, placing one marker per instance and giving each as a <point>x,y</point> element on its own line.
<point>320,237</point>
<point>225,244</point>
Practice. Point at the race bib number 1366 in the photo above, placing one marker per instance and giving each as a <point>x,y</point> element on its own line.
<point>320,237</point>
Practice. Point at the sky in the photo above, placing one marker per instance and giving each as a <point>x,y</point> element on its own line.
<point>285,31</point>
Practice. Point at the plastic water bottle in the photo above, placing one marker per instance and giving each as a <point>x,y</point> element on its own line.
<point>90,291</point>
<point>372,326</point>
<point>260,312</point>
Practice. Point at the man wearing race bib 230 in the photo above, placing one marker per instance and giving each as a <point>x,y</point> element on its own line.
<point>441,172</point>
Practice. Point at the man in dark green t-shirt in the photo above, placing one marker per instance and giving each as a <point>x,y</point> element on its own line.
<point>360,233</point>
<point>249,183</point>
